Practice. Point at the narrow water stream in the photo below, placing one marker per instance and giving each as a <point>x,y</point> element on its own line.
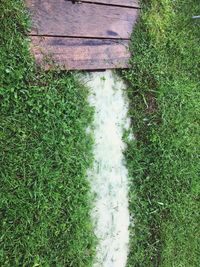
<point>109,176</point>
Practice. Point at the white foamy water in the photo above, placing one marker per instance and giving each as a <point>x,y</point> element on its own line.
<point>109,176</point>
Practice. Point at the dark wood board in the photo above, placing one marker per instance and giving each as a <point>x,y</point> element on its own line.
<point>122,3</point>
<point>91,35</point>
<point>62,18</point>
<point>78,53</point>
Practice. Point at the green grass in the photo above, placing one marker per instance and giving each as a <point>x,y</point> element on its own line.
<point>44,155</point>
<point>45,152</point>
<point>163,161</point>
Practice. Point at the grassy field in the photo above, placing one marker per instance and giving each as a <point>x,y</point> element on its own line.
<point>44,154</point>
<point>163,161</point>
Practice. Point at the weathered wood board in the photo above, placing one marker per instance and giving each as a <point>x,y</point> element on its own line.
<point>62,18</point>
<point>91,35</point>
<point>79,53</point>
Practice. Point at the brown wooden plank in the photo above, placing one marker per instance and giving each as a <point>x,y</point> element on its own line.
<point>62,18</point>
<point>80,54</point>
<point>125,3</point>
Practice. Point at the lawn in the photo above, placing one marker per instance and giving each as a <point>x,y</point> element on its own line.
<point>164,161</point>
<point>44,154</point>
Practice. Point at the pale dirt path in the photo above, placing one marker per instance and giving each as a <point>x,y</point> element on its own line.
<point>109,176</point>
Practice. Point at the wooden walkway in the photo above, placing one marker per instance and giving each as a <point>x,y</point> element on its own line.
<point>90,35</point>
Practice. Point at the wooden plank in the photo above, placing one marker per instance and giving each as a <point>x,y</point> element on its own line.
<point>62,18</point>
<point>80,54</point>
<point>125,3</point>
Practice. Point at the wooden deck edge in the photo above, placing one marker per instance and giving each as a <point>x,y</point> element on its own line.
<point>80,54</point>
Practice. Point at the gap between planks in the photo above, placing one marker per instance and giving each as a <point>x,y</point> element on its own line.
<point>119,3</point>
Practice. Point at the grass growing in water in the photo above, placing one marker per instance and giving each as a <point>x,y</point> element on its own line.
<point>163,161</point>
<point>44,154</point>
